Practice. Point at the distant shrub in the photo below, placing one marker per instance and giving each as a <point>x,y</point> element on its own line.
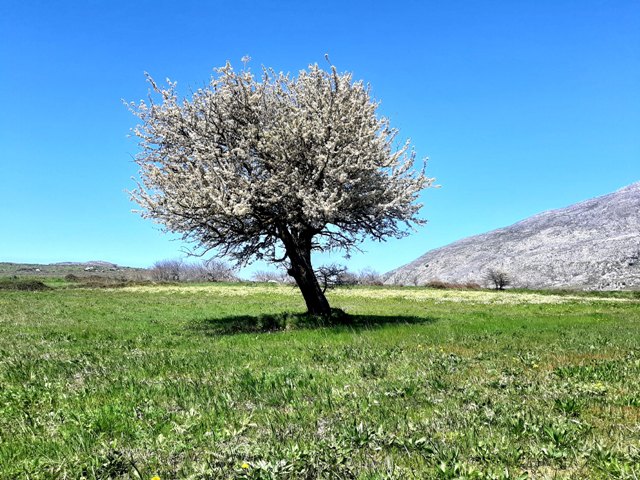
<point>368,276</point>
<point>634,258</point>
<point>275,276</point>
<point>211,270</point>
<point>166,270</point>
<point>331,276</point>
<point>96,281</point>
<point>23,285</point>
<point>176,270</point>
<point>440,285</point>
<point>498,279</point>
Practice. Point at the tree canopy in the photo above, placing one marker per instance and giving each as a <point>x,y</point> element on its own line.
<point>275,167</point>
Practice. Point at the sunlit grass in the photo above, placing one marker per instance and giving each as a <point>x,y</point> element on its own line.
<point>138,381</point>
<point>405,293</point>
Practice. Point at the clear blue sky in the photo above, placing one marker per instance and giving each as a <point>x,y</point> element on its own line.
<point>522,106</point>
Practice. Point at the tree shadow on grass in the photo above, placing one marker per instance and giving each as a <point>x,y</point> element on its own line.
<point>287,321</point>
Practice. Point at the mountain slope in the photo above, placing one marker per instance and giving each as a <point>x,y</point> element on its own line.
<point>593,244</point>
<point>80,269</point>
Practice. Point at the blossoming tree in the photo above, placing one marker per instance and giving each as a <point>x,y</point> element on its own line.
<point>275,167</point>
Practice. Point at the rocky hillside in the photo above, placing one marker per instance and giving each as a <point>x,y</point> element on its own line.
<point>79,269</point>
<point>592,245</point>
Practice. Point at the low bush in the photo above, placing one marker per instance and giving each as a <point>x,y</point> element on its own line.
<point>97,281</point>
<point>23,285</point>
<point>440,285</point>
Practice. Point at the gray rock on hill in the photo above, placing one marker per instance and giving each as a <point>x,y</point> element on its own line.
<point>592,245</point>
<point>92,263</point>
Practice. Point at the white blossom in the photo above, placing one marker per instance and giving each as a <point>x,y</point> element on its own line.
<point>253,166</point>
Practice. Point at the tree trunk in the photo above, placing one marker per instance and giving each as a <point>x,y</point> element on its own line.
<point>315,299</point>
<point>299,254</point>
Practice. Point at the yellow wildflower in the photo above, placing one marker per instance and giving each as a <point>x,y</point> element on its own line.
<point>155,478</point>
<point>245,465</point>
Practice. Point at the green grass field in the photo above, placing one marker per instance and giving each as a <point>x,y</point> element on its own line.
<point>180,382</point>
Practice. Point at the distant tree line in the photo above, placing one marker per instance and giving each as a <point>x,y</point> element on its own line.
<point>213,270</point>
<point>329,276</point>
<point>176,270</point>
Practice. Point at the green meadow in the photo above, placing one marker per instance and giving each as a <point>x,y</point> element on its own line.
<point>215,381</point>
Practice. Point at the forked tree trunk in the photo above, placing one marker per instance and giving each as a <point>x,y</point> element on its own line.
<point>299,253</point>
